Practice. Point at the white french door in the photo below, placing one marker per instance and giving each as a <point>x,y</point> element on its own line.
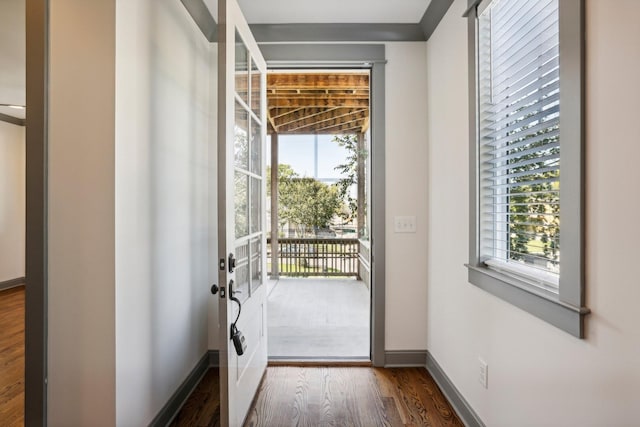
<point>242,218</point>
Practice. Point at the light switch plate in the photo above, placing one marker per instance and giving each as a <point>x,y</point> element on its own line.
<point>404,224</point>
<point>483,374</point>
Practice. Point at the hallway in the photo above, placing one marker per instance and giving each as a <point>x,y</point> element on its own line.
<point>339,396</point>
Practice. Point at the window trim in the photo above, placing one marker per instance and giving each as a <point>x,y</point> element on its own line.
<point>565,310</point>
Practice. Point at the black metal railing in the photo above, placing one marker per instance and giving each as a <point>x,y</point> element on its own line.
<point>304,257</point>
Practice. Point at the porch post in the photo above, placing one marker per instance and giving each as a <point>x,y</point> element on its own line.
<point>275,268</point>
<point>361,193</point>
<point>361,179</point>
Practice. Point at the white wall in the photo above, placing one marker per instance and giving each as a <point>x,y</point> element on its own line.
<point>163,90</point>
<point>129,212</point>
<point>12,55</point>
<point>12,201</point>
<point>539,375</point>
<point>81,291</point>
<point>214,325</point>
<point>406,175</point>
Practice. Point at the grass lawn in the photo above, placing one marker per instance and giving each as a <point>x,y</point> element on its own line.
<point>300,270</point>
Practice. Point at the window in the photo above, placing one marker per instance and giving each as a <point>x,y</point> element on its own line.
<point>526,151</point>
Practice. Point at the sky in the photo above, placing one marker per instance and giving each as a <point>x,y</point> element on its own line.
<point>298,152</point>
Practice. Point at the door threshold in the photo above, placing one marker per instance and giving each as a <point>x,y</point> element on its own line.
<point>319,361</point>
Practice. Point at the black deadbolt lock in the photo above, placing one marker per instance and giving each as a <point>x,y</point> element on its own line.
<point>232,263</point>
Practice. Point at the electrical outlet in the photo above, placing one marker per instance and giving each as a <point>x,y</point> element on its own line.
<point>404,224</point>
<point>483,374</point>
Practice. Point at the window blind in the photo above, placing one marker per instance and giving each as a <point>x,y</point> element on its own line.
<point>519,143</point>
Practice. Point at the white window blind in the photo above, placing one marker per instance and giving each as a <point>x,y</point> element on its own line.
<point>519,144</point>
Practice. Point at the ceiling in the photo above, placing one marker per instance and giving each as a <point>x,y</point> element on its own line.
<point>318,102</point>
<point>12,28</point>
<point>322,102</point>
<point>329,11</point>
<point>12,56</point>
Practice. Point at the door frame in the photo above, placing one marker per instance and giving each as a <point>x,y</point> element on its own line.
<point>36,269</point>
<point>354,56</point>
<point>345,55</point>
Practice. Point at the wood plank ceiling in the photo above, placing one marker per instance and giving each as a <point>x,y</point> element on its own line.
<point>318,103</point>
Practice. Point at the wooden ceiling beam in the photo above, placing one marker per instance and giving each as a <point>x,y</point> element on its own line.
<point>365,125</point>
<point>304,113</point>
<point>272,122</point>
<point>325,119</point>
<point>354,123</point>
<point>314,90</point>
<point>276,113</point>
<point>312,129</point>
<point>319,96</point>
<point>318,80</point>
<point>318,102</point>
<point>347,129</point>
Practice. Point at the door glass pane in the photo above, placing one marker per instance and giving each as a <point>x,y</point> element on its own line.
<point>256,147</point>
<point>255,89</point>
<point>241,140</point>
<point>242,69</point>
<point>242,271</point>
<point>256,263</point>
<point>256,199</point>
<point>241,204</point>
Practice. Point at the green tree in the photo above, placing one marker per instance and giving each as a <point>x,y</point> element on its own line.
<point>534,207</point>
<point>349,170</point>
<point>305,203</point>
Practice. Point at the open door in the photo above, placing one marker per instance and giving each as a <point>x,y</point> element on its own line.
<point>242,217</point>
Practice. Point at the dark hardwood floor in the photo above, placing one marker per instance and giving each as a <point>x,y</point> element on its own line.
<point>12,357</point>
<point>288,395</point>
<point>203,406</point>
<point>332,396</point>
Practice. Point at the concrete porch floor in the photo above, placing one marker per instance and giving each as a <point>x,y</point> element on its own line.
<point>318,318</point>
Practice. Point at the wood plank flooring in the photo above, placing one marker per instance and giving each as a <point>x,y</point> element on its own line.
<point>333,396</point>
<point>203,406</point>
<point>12,357</point>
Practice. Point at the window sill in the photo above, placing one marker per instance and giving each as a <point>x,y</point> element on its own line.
<point>536,301</point>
